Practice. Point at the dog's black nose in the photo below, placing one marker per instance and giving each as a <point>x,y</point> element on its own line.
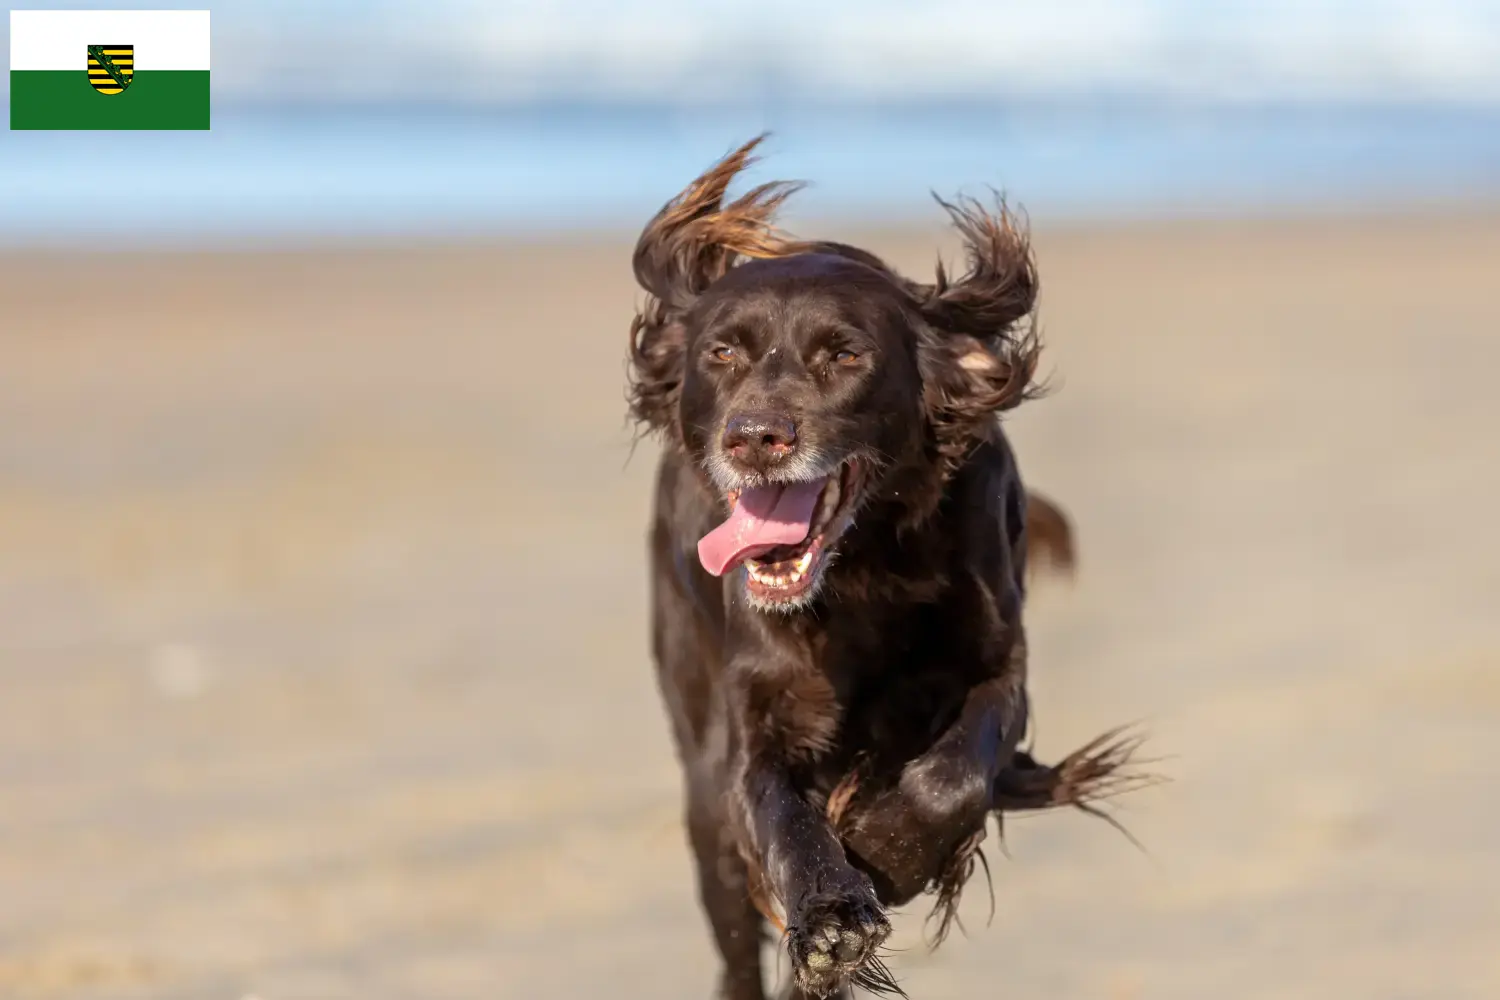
<point>759,439</point>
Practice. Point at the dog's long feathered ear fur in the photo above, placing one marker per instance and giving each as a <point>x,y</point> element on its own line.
<point>691,243</point>
<point>979,355</point>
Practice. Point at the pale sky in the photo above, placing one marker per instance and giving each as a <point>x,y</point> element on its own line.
<point>694,50</point>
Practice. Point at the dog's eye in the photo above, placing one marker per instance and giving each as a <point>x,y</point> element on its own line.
<point>844,357</point>
<point>723,354</point>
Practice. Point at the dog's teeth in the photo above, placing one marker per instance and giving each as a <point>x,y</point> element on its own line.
<point>788,572</point>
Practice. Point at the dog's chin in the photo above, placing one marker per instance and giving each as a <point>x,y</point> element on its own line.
<point>789,577</point>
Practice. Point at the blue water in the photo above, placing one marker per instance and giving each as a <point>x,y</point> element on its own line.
<point>270,173</point>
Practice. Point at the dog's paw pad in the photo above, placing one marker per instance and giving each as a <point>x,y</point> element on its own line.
<point>832,940</point>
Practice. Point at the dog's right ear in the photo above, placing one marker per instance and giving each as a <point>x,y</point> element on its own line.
<point>979,356</point>
<point>691,243</point>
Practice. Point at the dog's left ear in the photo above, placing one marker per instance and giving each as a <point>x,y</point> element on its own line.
<point>691,243</point>
<point>978,356</point>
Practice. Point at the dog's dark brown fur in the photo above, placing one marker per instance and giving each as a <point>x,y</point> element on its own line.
<point>843,756</point>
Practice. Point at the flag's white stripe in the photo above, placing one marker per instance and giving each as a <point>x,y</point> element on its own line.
<point>59,39</point>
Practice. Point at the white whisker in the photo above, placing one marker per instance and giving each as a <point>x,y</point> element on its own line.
<point>804,467</point>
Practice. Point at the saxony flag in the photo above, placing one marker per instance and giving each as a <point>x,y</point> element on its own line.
<point>108,69</point>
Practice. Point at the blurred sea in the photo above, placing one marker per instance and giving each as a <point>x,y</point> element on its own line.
<point>269,172</point>
<point>360,118</point>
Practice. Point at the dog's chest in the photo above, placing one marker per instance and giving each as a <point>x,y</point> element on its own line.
<point>887,700</point>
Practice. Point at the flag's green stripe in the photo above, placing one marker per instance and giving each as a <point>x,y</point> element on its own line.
<point>63,99</point>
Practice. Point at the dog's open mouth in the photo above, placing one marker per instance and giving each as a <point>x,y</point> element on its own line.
<point>782,533</point>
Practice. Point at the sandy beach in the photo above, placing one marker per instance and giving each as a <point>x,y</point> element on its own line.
<point>277,530</point>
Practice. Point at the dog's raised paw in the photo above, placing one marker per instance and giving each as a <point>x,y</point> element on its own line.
<point>833,940</point>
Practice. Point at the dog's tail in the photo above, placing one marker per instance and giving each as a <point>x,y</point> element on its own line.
<point>1049,536</point>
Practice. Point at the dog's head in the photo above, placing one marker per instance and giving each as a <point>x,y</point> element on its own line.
<point>811,382</point>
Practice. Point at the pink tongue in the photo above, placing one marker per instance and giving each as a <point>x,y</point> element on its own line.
<point>766,517</point>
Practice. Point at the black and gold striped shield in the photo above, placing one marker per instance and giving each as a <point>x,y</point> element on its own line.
<point>111,67</point>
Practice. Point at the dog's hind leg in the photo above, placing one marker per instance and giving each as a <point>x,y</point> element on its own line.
<point>726,898</point>
<point>1102,769</point>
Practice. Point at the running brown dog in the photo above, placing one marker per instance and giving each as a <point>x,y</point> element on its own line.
<point>838,566</point>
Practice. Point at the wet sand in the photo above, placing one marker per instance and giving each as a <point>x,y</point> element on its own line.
<point>322,626</point>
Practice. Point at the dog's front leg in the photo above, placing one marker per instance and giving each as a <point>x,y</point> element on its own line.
<point>922,831</point>
<point>951,784</point>
<point>834,922</point>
